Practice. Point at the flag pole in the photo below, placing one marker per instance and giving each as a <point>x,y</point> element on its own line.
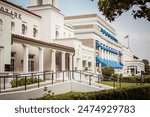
<point>127,37</point>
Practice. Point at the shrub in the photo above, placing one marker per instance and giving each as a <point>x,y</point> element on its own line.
<point>21,81</point>
<point>115,76</point>
<point>135,79</point>
<point>147,78</point>
<point>108,71</point>
<point>131,79</point>
<point>132,93</point>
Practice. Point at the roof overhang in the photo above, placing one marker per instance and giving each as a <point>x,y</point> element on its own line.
<point>34,42</point>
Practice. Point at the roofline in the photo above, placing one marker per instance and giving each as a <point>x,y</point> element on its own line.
<point>54,45</point>
<point>91,16</point>
<point>21,8</point>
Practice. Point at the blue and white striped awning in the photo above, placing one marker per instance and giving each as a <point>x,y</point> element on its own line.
<point>111,63</point>
<point>106,48</point>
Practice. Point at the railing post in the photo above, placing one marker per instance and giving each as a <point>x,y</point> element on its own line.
<point>72,74</point>
<point>38,81</point>
<point>44,76</point>
<point>25,83</point>
<point>98,78</point>
<point>114,84</point>
<point>32,77</point>
<point>119,84</point>
<point>80,75</point>
<point>63,77</point>
<point>0,85</point>
<point>4,83</point>
<point>89,79</point>
<point>56,74</point>
<point>16,80</point>
<point>52,77</point>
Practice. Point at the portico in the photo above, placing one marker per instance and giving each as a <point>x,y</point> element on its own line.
<point>35,55</point>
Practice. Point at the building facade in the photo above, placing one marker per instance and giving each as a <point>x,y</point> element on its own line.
<point>26,40</point>
<point>95,33</point>
<point>132,64</point>
<point>42,38</point>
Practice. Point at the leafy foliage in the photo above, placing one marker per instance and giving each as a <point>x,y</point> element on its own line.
<point>108,71</point>
<point>147,66</point>
<point>21,81</point>
<point>114,8</point>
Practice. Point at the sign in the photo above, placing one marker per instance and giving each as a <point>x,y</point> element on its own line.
<point>14,14</point>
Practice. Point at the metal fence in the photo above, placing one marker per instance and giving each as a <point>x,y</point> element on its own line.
<point>43,78</point>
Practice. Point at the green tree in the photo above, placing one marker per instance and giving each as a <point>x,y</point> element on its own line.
<point>108,71</point>
<point>114,8</point>
<point>147,67</point>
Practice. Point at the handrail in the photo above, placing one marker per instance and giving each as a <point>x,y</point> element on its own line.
<point>51,75</point>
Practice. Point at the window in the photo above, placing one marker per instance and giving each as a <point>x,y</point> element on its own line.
<point>12,66</point>
<point>84,63</point>
<point>31,63</point>
<point>1,26</point>
<point>35,32</point>
<point>12,26</point>
<point>39,2</point>
<point>89,64</point>
<point>57,34</point>
<point>24,29</point>
<point>97,48</point>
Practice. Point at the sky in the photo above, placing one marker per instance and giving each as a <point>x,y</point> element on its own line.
<point>138,30</point>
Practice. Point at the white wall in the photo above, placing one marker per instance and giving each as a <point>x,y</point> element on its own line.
<point>28,19</point>
<point>5,40</point>
<point>51,21</point>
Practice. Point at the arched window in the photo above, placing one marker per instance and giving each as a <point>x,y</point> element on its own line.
<point>12,26</point>
<point>24,29</point>
<point>35,32</point>
<point>1,26</point>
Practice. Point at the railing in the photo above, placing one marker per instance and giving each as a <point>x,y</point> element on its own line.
<point>119,82</point>
<point>47,77</point>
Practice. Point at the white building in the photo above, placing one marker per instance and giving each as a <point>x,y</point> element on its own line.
<point>26,38</point>
<point>42,38</point>
<point>95,33</point>
<point>132,64</point>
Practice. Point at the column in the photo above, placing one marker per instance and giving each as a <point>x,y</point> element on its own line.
<point>41,59</point>
<point>105,54</point>
<point>102,53</point>
<point>70,61</point>
<point>109,56</point>
<point>63,59</point>
<point>25,58</point>
<point>53,62</point>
